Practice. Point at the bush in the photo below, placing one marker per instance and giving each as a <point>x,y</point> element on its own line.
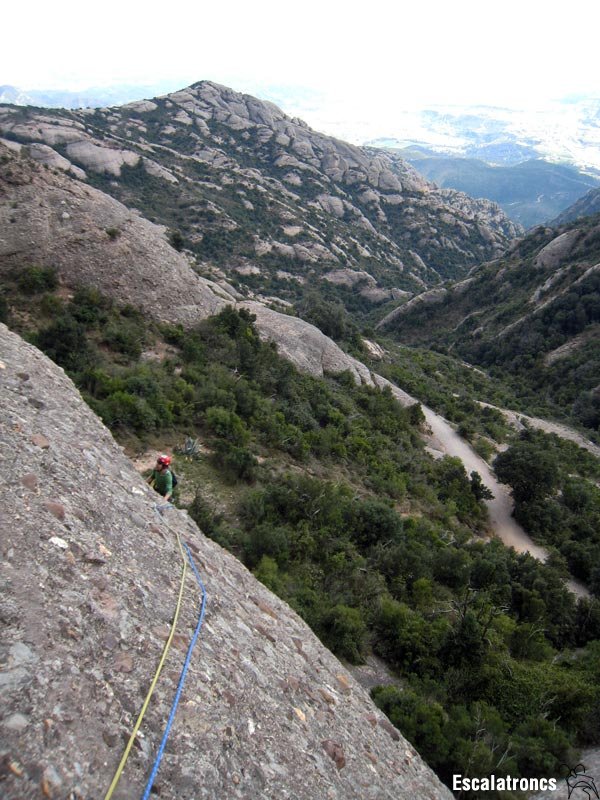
<point>177,241</point>
<point>372,521</point>
<point>226,424</point>
<point>267,572</point>
<point>37,279</point>
<point>237,463</point>
<point>208,520</point>
<point>531,471</point>
<point>122,410</point>
<point>343,630</point>
<point>65,342</point>
<point>89,306</point>
<point>125,336</point>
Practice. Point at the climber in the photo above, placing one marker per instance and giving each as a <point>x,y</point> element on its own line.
<point>161,477</point>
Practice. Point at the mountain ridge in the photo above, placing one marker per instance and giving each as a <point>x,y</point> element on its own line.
<point>232,174</point>
<point>532,314</point>
<point>531,192</point>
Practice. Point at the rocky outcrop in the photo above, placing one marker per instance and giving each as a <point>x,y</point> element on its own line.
<point>365,284</point>
<point>101,159</point>
<point>93,240</point>
<point>226,148</point>
<point>304,345</point>
<point>556,251</point>
<point>89,581</point>
<point>432,297</point>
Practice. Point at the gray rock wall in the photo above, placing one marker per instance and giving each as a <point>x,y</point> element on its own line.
<point>88,584</point>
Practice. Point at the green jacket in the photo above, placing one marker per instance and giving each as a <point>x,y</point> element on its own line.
<point>162,481</point>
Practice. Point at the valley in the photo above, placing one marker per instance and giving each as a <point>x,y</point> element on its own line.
<point>340,338</point>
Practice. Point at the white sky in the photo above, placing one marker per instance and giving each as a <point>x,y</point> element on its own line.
<point>459,51</point>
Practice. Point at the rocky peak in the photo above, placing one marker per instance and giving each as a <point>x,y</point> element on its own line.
<point>235,174</point>
<point>89,581</point>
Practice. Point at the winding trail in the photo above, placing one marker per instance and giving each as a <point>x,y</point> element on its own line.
<point>516,419</point>
<point>443,440</point>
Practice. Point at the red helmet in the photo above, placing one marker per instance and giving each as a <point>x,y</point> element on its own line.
<point>166,460</point>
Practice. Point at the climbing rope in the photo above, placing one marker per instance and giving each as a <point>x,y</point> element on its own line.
<point>182,678</point>
<point>166,649</point>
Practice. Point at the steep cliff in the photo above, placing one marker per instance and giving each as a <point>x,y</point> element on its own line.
<point>90,576</point>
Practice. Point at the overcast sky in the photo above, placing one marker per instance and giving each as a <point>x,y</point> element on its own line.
<point>460,51</point>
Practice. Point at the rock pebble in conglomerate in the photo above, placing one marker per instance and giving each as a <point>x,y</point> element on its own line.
<point>88,584</point>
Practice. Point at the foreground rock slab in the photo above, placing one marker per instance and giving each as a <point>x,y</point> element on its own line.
<point>88,586</point>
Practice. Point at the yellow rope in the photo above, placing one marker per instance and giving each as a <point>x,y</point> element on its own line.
<point>167,646</point>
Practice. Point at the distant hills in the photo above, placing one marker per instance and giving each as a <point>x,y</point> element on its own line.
<point>263,200</point>
<point>565,131</point>
<point>531,192</point>
<point>586,206</point>
<point>94,97</point>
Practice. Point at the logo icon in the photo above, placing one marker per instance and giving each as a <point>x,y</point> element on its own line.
<point>581,784</point>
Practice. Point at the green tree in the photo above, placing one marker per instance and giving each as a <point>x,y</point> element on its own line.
<point>343,630</point>
<point>530,470</point>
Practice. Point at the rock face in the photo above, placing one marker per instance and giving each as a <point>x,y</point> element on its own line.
<point>550,256</point>
<point>304,345</point>
<point>93,240</point>
<point>89,581</point>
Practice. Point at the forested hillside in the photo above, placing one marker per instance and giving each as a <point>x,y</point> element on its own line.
<point>530,318</point>
<point>376,545</point>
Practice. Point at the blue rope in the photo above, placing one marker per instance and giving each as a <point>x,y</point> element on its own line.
<point>182,677</point>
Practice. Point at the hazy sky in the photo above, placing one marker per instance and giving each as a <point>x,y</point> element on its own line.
<point>461,51</point>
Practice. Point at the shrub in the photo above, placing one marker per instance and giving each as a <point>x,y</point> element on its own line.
<point>226,424</point>
<point>37,279</point>
<point>343,630</point>
<point>122,410</point>
<point>237,463</point>
<point>177,240</point>
<point>124,336</point>
<point>89,306</point>
<point>51,305</point>
<point>531,471</point>
<point>205,517</point>
<point>267,572</point>
<point>65,342</point>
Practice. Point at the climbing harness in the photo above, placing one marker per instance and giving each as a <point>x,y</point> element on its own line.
<point>120,768</point>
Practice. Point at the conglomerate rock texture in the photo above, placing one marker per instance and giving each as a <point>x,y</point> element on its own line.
<point>88,587</point>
